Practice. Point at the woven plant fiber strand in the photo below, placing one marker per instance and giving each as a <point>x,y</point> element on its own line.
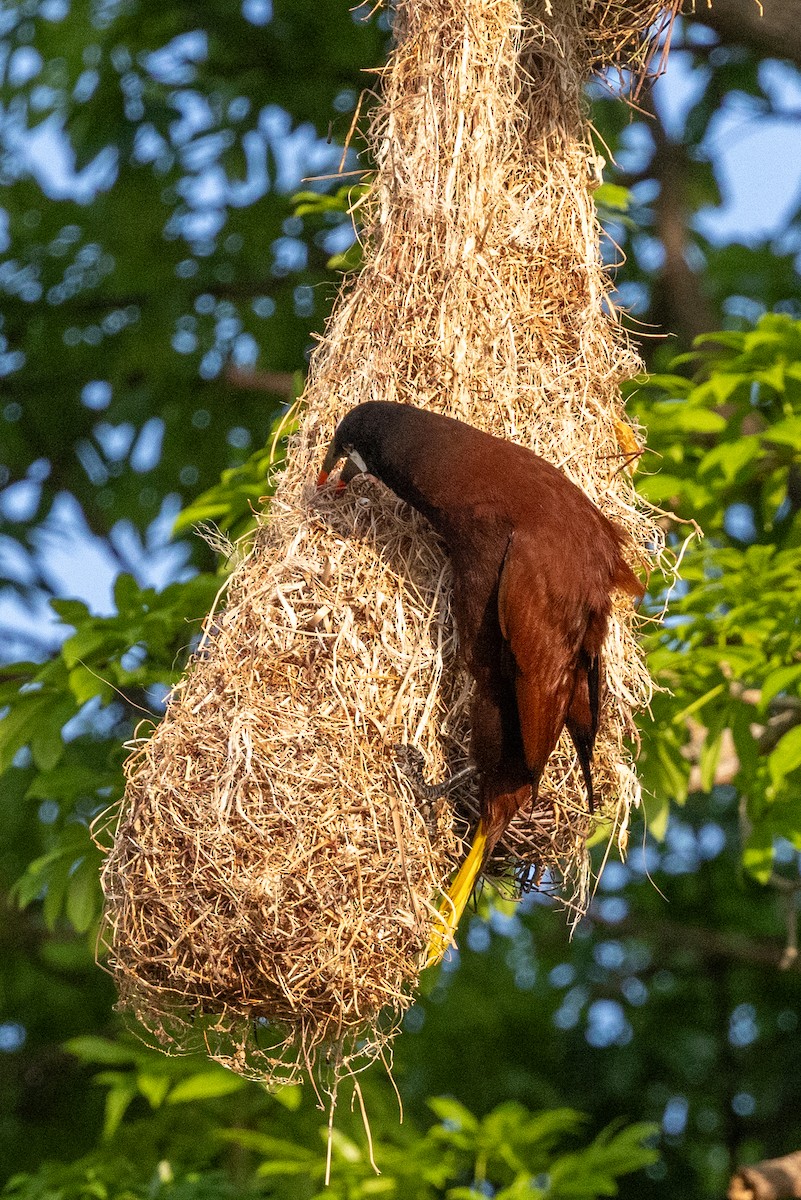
<point>274,873</point>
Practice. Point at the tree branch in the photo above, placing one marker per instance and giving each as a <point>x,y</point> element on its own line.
<point>679,303</point>
<point>774,1179</point>
<point>775,32</point>
<point>279,383</point>
<point>708,943</point>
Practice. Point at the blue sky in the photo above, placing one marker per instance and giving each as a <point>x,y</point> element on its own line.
<point>757,158</point>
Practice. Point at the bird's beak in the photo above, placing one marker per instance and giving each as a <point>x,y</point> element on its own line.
<point>332,457</point>
<point>354,465</point>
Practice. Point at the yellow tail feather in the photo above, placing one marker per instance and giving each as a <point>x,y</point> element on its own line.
<point>455,901</point>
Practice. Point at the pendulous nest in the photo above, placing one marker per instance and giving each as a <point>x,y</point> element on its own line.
<point>275,872</point>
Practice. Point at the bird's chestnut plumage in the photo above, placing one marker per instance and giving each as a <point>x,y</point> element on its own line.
<point>535,564</point>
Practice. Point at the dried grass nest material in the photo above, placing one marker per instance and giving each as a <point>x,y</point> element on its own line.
<point>273,876</point>
<point>624,33</point>
<point>254,873</point>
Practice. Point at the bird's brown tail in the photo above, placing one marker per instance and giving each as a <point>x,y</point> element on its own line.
<point>582,715</point>
<point>583,712</point>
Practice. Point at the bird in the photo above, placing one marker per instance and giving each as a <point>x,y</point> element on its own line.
<point>535,564</point>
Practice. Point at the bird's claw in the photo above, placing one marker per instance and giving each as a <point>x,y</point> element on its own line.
<point>411,762</point>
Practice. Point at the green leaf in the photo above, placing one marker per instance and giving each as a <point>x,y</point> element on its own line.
<point>206,1085</point>
<point>264,1143</point>
<point>674,385</point>
<point>730,458</point>
<point>91,1049</point>
<point>344,1147</point>
<point>118,1101</point>
<point>289,1096</point>
<point>721,337</point>
<point>657,815</point>
<point>779,681</point>
<point>672,772</point>
<point>349,260</point>
<point>450,1110</point>
<point>83,899</point>
<point>48,877</point>
<point>708,761</point>
<point>723,386</point>
<point>773,377</point>
<point>231,504</point>
<point>277,1166</point>
<point>745,744</point>
<point>786,756</point>
<point>127,595</point>
<point>72,612</point>
<point>153,1087</point>
<point>85,684</point>
<point>83,644</point>
<point>614,197</point>
<point>65,782</point>
<point>699,703</point>
<point>785,433</point>
<point>19,725</point>
<point>47,745</point>
<point>699,420</point>
<point>758,854</point>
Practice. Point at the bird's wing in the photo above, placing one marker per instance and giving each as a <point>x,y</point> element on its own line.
<point>544,636</point>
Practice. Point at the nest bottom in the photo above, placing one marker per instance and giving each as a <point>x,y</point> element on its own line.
<point>267,939</point>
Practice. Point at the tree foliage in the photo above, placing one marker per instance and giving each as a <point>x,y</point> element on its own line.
<point>511,1151</point>
<point>730,438</point>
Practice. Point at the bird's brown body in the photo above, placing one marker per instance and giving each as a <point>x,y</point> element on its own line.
<point>535,564</point>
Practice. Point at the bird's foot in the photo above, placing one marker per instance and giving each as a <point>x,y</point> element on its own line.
<point>411,762</point>
<point>456,780</point>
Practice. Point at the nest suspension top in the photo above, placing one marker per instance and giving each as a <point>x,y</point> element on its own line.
<point>273,878</point>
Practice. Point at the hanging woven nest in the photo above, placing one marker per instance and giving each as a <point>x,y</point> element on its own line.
<point>274,875</point>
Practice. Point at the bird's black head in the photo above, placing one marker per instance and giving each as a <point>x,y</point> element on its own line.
<point>362,437</point>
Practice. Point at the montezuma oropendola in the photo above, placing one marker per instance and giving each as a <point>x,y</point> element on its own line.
<point>535,564</point>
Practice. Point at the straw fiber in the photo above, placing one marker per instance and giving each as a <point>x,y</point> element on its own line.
<point>276,868</point>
